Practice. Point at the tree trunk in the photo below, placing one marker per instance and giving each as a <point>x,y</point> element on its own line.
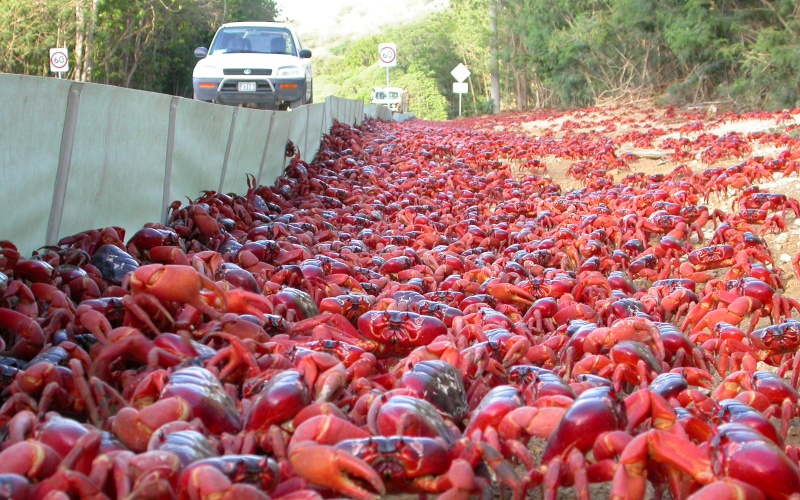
<point>494,61</point>
<point>142,42</point>
<point>88,63</point>
<point>472,89</point>
<point>522,90</point>
<point>80,27</point>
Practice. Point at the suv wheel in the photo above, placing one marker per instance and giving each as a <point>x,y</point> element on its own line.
<point>296,104</point>
<point>302,100</point>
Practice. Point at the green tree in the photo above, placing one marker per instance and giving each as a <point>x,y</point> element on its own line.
<point>144,44</point>
<point>767,56</point>
<point>28,29</point>
<point>425,99</point>
<point>148,44</point>
<point>250,10</point>
<point>551,53</point>
<point>425,57</point>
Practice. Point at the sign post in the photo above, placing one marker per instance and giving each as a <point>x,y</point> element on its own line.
<point>460,73</point>
<point>387,56</point>
<point>59,61</point>
<point>460,88</point>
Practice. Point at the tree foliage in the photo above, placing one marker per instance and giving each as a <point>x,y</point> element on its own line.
<point>28,28</point>
<point>143,44</point>
<point>583,52</point>
<point>553,53</point>
<point>426,53</point>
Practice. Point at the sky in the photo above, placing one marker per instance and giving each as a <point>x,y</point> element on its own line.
<point>327,20</point>
<point>309,12</point>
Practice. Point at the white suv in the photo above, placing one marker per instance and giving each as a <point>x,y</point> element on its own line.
<point>254,63</point>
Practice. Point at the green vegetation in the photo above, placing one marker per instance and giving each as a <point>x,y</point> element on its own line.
<point>142,44</point>
<point>743,54</point>
<point>552,53</point>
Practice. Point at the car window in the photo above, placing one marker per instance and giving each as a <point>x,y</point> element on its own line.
<point>253,40</point>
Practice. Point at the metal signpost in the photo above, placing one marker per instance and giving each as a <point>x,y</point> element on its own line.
<point>460,87</point>
<point>59,61</point>
<point>387,56</point>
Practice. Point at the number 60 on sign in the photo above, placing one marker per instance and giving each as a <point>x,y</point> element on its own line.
<point>387,54</point>
<point>59,60</point>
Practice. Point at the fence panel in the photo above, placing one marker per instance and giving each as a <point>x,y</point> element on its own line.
<point>275,157</point>
<point>316,117</point>
<point>80,156</point>
<point>297,131</point>
<point>201,137</point>
<point>116,176</point>
<point>247,149</point>
<point>31,127</point>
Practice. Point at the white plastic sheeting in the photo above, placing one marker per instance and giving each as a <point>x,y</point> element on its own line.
<point>31,130</point>
<point>80,156</point>
<point>378,112</point>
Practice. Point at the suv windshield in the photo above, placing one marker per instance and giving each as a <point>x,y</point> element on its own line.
<point>253,40</point>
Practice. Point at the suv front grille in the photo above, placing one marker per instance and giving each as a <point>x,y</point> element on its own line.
<point>253,72</point>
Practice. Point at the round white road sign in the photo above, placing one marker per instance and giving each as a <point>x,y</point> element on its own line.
<point>59,60</point>
<point>387,54</point>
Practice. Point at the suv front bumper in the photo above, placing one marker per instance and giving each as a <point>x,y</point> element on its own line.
<point>269,90</point>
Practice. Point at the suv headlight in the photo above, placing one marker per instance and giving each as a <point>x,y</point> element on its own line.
<point>290,71</point>
<point>205,70</point>
<point>206,65</point>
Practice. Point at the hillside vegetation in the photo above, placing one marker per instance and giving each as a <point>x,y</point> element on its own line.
<point>742,54</point>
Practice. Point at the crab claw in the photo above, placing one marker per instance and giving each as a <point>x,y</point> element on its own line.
<point>328,467</point>
<point>244,302</point>
<point>633,328</point>
<point>28,334</point>
<point>508,293</point>
<point>32,459</point>
<point>178,284</point>
<point>135,427</point>
<point>324,430</point>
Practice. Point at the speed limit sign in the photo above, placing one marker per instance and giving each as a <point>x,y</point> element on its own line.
<point>59,60</point>
<point>387,54</point>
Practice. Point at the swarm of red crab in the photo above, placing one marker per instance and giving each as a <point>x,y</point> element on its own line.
<point>404,315</point>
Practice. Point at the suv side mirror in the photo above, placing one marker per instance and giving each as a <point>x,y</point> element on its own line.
<point>200,52</point>
<point>304,54</point>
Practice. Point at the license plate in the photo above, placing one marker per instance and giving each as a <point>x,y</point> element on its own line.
<point>246,86</point>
